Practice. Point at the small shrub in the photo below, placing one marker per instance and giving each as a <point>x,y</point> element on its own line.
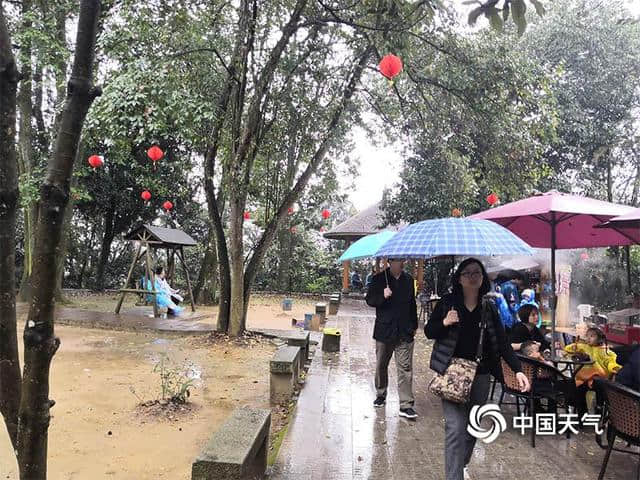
<point>175,381</point>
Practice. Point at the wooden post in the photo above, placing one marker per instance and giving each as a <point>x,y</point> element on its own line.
<point>345,276</point>
<point>151,275</point>
<point>171,264</point>
<point>186,274</point>
<point>126,283</point>
<point>420,276</point>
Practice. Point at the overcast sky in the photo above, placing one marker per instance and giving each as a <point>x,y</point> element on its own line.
<point>380,167</point>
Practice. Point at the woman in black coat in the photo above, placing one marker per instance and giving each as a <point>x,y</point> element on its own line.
<point>527,329</point>
<point>455,326</point>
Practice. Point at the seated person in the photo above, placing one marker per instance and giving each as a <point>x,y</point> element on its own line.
<point>604,366</point>
<point>545,386</point>
<point>163,299</point>
<point>629,374</point>
<point>173,294</point>
<point>527,330</point>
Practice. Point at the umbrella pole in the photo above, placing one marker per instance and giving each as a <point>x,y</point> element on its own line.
<point>553,302</point>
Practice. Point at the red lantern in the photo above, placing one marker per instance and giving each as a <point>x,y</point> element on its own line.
<point>95,161</point>
<point>584,256</point>
<point>326,213</point>
<point>167,205</point>
<point>492,199</point>
<point>247,215</point>
<point>146,195</point>
<point>321,229</point>
<point>290,211</point>
<point>390,66</point>
<point>293,230</point>
<point>456,212</point>
<point>155,153</point>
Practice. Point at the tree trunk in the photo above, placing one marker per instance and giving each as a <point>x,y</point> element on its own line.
<point>205,287</point>
<point>10,381</point>
<point>40,343</point>
<point>105,249</point>
<point>236,314</point>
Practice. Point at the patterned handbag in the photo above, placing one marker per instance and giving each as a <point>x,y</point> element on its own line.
<point>455,384</point>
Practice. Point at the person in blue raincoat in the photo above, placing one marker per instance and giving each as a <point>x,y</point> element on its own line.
<point>508,287</point>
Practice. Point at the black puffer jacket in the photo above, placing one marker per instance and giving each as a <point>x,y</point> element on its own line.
<point>396,316</point>
<point>495,345</point>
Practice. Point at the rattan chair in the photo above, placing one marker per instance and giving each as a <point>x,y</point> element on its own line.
<point>560,387</point>
<point>622,420</point>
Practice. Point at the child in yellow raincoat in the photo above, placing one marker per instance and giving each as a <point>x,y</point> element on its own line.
<point>604,366</point>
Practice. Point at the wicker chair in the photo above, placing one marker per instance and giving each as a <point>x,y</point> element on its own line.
<point>560,390</point>
<point>622,420</point>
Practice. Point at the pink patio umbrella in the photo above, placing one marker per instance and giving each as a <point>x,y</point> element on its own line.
<point>558,220</point>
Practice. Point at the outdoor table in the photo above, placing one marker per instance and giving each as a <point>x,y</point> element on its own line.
<point>574,366</point>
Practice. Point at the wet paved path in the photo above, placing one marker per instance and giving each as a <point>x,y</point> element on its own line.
<point>336,433</point>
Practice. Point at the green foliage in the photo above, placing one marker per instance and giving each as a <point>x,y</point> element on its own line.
<point>594,58</point>
<point>498,12</point>
<point>477,118</point>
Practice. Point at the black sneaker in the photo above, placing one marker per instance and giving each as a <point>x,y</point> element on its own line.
<point>379,401</point>
<point>408,413</point>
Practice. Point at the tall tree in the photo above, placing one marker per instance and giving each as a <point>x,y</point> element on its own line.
<point>9,361</point>
<point>40,342</point>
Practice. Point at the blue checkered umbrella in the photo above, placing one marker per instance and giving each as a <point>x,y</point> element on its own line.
<point>453,236</point>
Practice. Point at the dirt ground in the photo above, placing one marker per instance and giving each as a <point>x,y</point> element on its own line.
<point>99,377</point>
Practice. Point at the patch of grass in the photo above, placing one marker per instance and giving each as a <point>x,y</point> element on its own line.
<point>276,442</point>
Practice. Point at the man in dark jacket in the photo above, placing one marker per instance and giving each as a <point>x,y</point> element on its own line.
<point>392,294</point>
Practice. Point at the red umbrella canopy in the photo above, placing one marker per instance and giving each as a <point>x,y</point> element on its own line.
<point>95,161</point>
<point>167,205</point>
<point>532,219</point>
<point>390,66</point>
<point>146,195</point>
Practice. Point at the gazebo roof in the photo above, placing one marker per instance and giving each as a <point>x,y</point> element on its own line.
<point>367,222</point>
<point>166,237</point>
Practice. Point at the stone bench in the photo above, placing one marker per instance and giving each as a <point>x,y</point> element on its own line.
<point>285,368</point>
<point>238,450</point>
<point>296,338</point>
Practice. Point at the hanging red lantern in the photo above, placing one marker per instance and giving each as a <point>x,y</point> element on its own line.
<point>155,153</point>
<point>390,66</point>
<point>492,199</point>
<point>95,161</point>
<point>326,213</point>
<point>146,195</point>
<point>293,229</point>
<point>290,211</point>
<point>167,205</point>
<point>247,215</point>
<point>584,256</point>
<point>456,212</point>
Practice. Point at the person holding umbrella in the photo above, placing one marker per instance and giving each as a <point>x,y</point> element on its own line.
<point>467,329</point>
<point>392,294</point>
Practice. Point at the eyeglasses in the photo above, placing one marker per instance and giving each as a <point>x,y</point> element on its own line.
<point>476,274</point>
